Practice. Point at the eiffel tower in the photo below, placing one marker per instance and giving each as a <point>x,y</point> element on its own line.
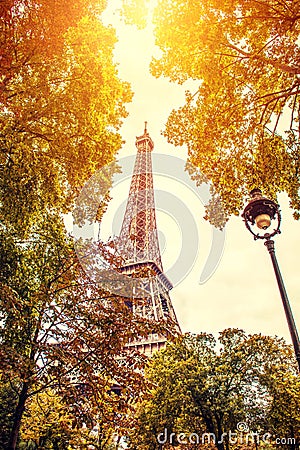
<point>139,246</point>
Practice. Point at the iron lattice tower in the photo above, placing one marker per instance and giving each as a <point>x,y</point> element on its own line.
<point>139,246</point>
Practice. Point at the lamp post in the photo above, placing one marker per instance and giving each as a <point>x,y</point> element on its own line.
<point>259,215</point>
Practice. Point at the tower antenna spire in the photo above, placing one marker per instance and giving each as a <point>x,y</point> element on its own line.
<point>145,130</point>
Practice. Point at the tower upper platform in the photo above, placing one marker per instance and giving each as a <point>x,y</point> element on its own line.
<point>144,143</point>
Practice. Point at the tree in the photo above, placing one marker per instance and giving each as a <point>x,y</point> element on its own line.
<point>283,412</point>
<point>61,104</point>
<point>241,125</point>
<point>47,422</point>
<point>61,332</point>
<point>61,107</point>
<point>50,422</point>
<point>202,390</point>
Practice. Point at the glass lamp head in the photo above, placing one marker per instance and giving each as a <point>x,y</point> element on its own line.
<point>261,213</point>
<point>263,221</point>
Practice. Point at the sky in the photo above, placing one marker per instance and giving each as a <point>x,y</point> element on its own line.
<point>242,292</point>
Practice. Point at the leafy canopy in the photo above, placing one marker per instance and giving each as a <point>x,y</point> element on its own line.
<point>61,105</point>
<point>201,386</point>
<point>241,124</point>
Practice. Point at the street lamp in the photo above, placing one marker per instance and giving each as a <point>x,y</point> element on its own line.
<point>262,214</point>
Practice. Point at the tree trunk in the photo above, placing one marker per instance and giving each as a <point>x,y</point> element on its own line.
<point>220,436</point>
<point>17,417</point>
<point>293,444</point>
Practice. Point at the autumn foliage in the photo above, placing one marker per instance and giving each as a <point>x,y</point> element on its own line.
<point>209,393</point>
<point>62,337</point>
<point>240,122</point>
